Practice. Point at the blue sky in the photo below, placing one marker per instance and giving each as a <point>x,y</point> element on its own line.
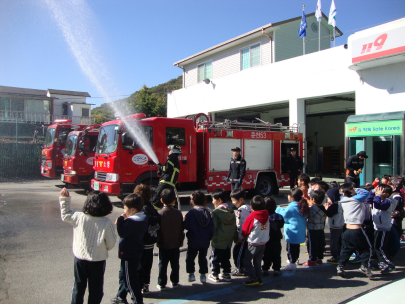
<point>134,42</point>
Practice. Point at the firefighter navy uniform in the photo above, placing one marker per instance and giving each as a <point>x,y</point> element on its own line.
<point>237,170</point>
<point>355,163</point>
<point>169,174</point>
<point>294,166</point>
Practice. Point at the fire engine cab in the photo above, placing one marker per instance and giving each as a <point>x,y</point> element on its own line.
<point>120,164</point>
<point>54,146</point>
<point>79,155</point>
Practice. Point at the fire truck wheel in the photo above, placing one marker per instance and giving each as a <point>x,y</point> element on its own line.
<point>264,186</point>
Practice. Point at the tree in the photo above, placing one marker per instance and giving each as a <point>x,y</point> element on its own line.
<point>102,113</point>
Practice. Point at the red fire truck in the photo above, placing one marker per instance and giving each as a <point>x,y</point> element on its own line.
<point>120,164</point>
<point>54,146</point>
<point>79,154</point>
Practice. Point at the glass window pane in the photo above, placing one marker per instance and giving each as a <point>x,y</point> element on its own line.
<point>255,55</point>
<point>382,155</point>
<point>200,76</point>
<point>17,104</point>
<point>175,136</point>
<point>245,59</point>
<point>208,70</point>
<point>36,106</point>
<point>85,112</point>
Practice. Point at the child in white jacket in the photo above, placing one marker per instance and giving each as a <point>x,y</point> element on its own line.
<point>93,236</point>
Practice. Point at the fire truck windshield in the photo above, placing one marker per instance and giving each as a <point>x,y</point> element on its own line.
<point>49,137</point>
<point>107,140</point>
<point>71,145</point>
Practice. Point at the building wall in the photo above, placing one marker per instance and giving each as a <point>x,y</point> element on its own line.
<point>61,99</point>
<point>381,89</point>
<point>314,75</point>
<point>228,62</point>
<point>288,43</point>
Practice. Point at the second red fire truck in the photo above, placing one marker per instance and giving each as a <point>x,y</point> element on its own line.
<point>120,163</point>
<point>78,157</point>
<point>54,146</point>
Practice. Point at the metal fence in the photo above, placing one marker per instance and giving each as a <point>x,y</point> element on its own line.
<point>20,160</point>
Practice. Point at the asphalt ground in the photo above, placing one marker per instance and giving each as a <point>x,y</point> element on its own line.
<point>36,260</point>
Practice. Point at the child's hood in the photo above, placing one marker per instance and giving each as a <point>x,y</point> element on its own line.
<point>138,217</point>
<point>262,216</point>
<point>202,216</point>
<point>227,215</point>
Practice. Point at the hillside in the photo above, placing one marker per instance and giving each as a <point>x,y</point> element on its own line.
<point>151,101</point>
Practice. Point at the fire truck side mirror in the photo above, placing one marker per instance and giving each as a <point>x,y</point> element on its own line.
<point>81,146</point>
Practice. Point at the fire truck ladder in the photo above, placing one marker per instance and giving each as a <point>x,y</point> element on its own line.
<point>237,125</point>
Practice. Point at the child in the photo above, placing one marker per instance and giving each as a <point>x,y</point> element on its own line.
<point>303,184</point>
<point>312,183</point>
<point>256,230</point>
<point>238,200</point>
<point>397,184</point>
<point>334,212</point>
<point>383,206</point>
<point>295,225</point>
<point>224,234</point>
<point>354,238</point>
<point>131,227</point>
<point>170,239</point>
<point>316,226</point>
<point>198,222</point>
<point>272,251</point>
<point>150,237</point>
<point>384,180</point>
<point>93,236</point>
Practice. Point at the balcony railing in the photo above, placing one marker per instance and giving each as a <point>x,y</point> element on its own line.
<point>41,118</point>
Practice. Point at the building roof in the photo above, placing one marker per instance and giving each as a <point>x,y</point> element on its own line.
<point>70,93</point>
<point>265,28</point>
<point>46,94</point>
<point>20,91</point>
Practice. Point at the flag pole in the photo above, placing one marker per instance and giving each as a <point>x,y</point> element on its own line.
<point>303,40</point>
<point>319,35</point>
<point>334,36</point>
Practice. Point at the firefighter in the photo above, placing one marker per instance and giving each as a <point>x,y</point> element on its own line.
<point>354,167</point>
<point>237,169</point>
<point>169,173</point>
<point>294,166</point>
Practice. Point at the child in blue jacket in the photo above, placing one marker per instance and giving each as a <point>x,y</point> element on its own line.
<point>200,226</point>
<point>294,225</point>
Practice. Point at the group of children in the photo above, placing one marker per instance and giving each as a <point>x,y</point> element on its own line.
<point>255,229</point>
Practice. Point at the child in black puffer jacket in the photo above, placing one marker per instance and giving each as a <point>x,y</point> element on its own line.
<point>150,237</point>
<point>200,226</point>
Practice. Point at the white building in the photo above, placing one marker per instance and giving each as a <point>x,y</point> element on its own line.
<point>264,74</point>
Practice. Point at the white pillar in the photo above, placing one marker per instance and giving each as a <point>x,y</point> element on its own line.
<point>297,116</point>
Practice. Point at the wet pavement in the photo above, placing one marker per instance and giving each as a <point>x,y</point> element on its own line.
<point>36,260</point>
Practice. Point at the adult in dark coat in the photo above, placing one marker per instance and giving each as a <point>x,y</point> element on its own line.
<point>354,167</point>
<point>237,169</point>
<point>294,166</point>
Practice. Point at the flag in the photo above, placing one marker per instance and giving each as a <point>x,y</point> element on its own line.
<point>332,14</point>
<point>318,12</point>
<point>302,32</point>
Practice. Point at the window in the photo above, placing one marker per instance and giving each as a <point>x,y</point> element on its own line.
<point>175,136</point>
<point>205,71</point>
<point>145,135</point>
<point>250,57</point>
<point>85,112</point>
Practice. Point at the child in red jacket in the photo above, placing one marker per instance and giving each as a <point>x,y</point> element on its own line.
<point>256,230</point>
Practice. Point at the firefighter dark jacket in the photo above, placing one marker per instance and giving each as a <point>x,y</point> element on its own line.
<point>294,164</point>
<point>169,172</point>
<point>237,169</point>
<point>354,163</point>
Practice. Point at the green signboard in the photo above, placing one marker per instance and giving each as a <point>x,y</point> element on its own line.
<point>374,128</point>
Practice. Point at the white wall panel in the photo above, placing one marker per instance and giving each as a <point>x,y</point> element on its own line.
<point>258,154</point>
<point>220,152</point>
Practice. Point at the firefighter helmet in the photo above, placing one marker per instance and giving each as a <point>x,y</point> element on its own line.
<point>175,149</point>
